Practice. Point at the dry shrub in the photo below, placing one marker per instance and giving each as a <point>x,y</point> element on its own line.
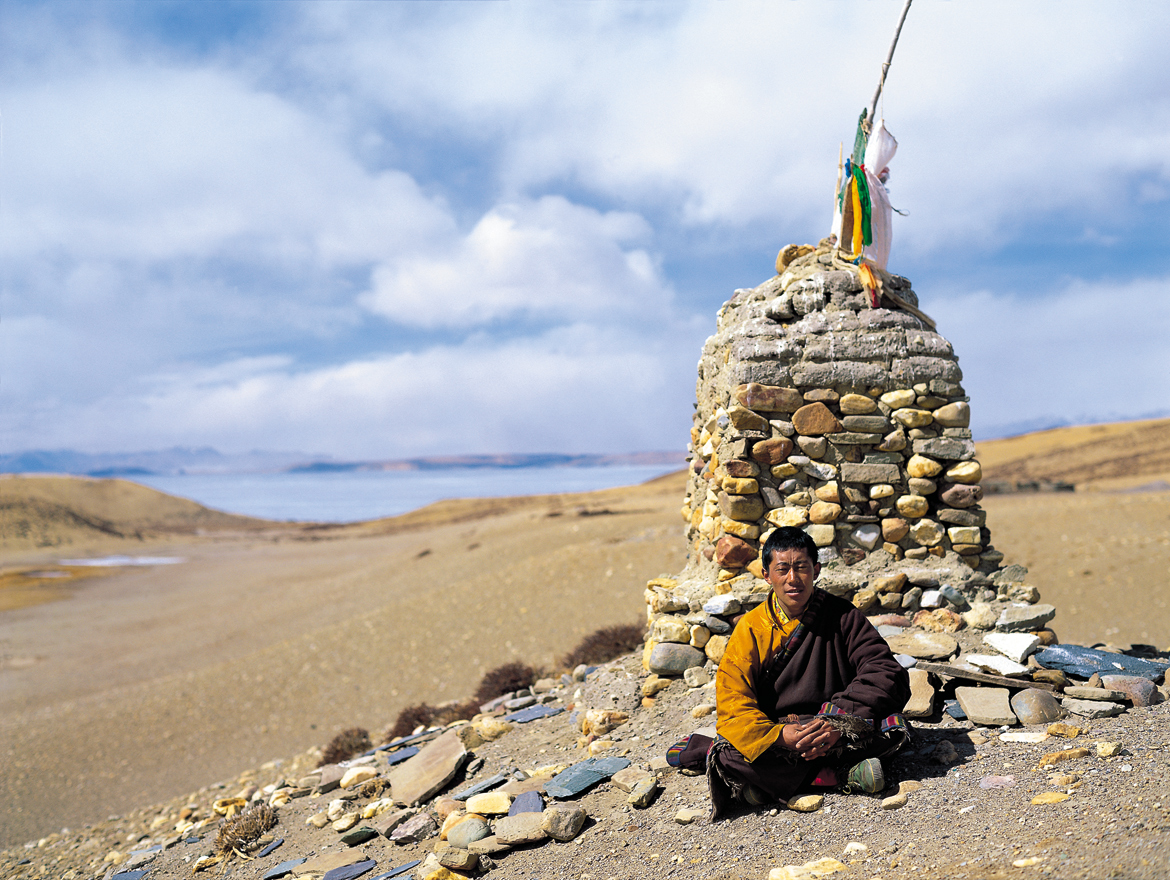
<point>503,680</point>
<point>426,715</point>
<point>240,833</point>
<point>604,645</point>
<point>345,745</point>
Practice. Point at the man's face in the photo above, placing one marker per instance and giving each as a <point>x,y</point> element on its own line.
<point>791,575</point>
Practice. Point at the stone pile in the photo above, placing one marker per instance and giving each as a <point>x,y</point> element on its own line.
<point>837,409</point>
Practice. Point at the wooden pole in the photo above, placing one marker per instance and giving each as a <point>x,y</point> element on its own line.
<point>886,66</point>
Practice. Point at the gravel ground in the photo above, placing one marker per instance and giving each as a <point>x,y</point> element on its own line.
<point>1111,825</point>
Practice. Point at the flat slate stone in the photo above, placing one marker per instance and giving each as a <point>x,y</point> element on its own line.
<point>269,849</point>
<point>396,872</point>
<point>1101,695</point>
<point>988,706</point>
<point>528,802</point>
<point>348,872</point>
<point>428,772</point>
<point>283,869</point>
<point>129,875</point>
<point>1092,708</point>
<point>995,663</point>
<point>923,645</point>
<point>358,835</point>
<point>532,713</point>
<point>1024,618</point>
<point>326,862</point>
<point>518,830</point>
<point>401,755</point>
<point>480,787</point>
<point>921,702</point>
<point>1083,662</point>
<point>576,779</point>
<point>1034,706</point>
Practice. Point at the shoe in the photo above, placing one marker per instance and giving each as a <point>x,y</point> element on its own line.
<point>866,776</point>
<point>754,797</point>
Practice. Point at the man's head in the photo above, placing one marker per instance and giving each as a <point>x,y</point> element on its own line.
<point>791,568</point>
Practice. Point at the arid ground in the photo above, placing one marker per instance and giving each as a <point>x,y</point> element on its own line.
<point>126,686</point>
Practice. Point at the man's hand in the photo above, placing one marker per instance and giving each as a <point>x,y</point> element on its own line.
<point>811,740</point>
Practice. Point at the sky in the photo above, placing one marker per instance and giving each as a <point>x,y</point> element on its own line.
<point>391,229</point>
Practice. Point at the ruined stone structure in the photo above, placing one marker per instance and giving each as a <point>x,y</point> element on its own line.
<point>838,409</point>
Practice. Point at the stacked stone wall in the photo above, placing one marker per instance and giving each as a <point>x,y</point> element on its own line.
<point>818,409</point>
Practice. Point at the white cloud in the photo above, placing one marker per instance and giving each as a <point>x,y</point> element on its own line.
<point>549,260</point>
<point>1091,352</point>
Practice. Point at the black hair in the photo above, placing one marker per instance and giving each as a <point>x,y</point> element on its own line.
<point>788,538</point>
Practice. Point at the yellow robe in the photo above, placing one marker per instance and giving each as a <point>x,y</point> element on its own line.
<point>760,634</point>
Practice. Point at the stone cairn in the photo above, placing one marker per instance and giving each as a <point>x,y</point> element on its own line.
<point>818,409</point>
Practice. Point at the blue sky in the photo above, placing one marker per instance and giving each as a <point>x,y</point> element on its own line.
<point>379,230</point>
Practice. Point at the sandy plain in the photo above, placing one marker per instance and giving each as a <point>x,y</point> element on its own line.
<point>139,684</point>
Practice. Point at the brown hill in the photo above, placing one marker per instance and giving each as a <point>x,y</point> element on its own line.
<point>1114,456</point>
<point>50,511</point>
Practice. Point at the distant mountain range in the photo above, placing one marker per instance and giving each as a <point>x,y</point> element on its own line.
<point>206,460</point>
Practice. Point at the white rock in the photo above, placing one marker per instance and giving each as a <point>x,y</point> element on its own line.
<point>1017,646</point>
<point>867,535</point>
<point>1023,736</point>
<point>998,664</point>
<point>722,604</point>
<point>931,599</point>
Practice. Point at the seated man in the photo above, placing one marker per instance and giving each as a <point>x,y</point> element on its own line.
<point>807,692</point>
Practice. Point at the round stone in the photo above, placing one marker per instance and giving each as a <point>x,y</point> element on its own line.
<point>894,529</point>
<point>815,419</point>
<point>925,532</point>
<point>824,512</point>
<point>920,486</point>
<point>963,535</point>
<point>772,452</point>
<point>893,442</point>
<point>857,405</point>
<point>913,418</point>
<point>671,658</point>
<point>963,472</point>
<point>899,399</point>
<point>733,552</point>
<point>740,486</point>
<point>954,415</point>
<point>1034,706</point>
<point>912,506</point>
<point>921,466</point>
<point>466,832</point>
<point>668,629</point>
<point>822,535</point>
<point>829,492</point>
<point>881,490</point>
<point>788,516</point>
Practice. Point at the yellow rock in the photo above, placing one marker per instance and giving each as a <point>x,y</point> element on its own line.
<point>741,486</point>
<point>715,647</point>
<point>1108,749</point>
<point>700,635</point>
<point>665,583</point>
<point>1061,756</point>
<point>318,820</point>
<point>491,803</point>
<point>1050,797</point>
<point>912,506</point>
<point>491,728</point>
<point>857,404</point>
<point>748,531</point>
<point>822,535</point>
<point>1068,731</point>
<point>899,399</point>
<point>829,492</point>
<point>646,652</point>
<point>913,418</point>
<point>965,472</point>
<point>598,722</point>
<point>881,490</point>
<point>671,629</point>
<point>702,710</point>
<point>346,822</point>
<point>229,806</point>
<point>909,786</point>
<point>453,819</point>
<point>654,684</point>
<point>357,775</point>
<point>600,745</point>
<point>894,802</point>
<point>756,567</point>
<point>921,466</point>
<point>1030,862</point>
<point>807,871</point>
<point>787,516</point>
<point>783,471</point>
<point>807,803</point>
<point>824,512</point>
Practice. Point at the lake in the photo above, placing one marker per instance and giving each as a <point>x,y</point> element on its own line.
<point>359,495</point>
